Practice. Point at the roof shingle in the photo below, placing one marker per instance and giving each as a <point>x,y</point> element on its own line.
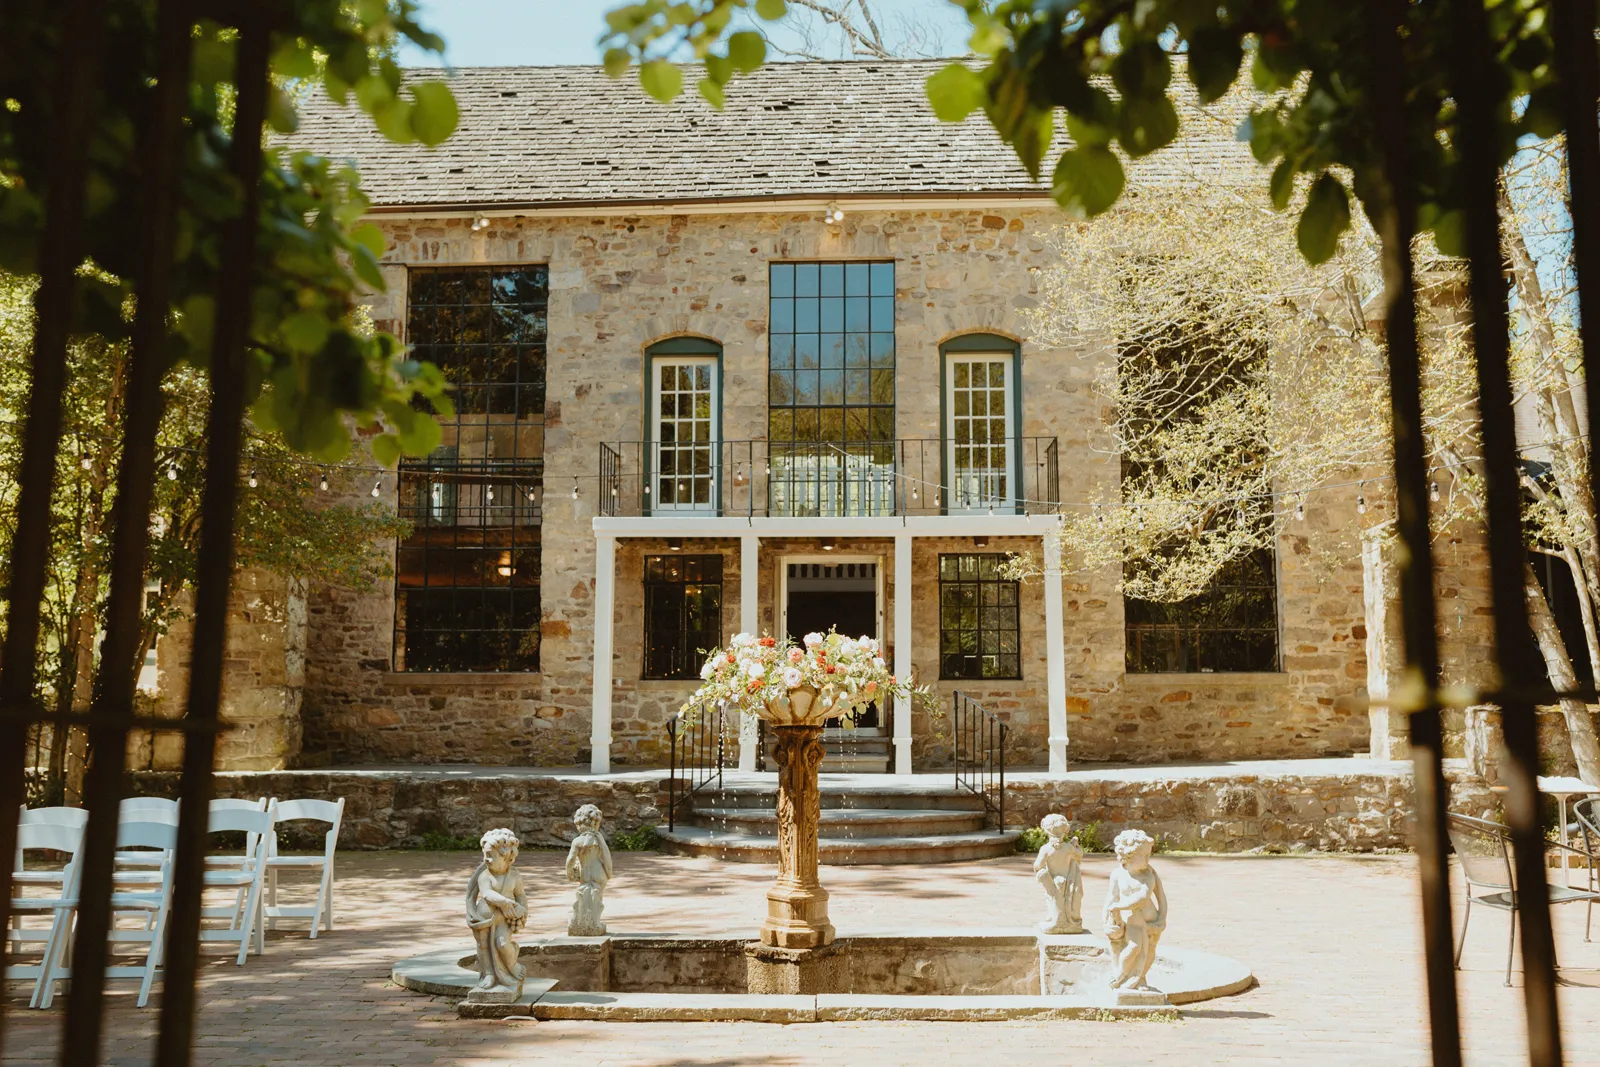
<point>570,136</point>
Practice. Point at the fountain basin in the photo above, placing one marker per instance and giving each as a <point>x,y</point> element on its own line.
<point>905,974</point>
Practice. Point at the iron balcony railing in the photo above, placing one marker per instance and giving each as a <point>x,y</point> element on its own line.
<point>911,476</point>
<point>701,746</point>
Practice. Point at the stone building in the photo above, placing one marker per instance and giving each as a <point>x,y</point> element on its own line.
<point>768,369</point>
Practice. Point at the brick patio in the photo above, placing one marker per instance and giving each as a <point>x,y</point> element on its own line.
<point>1333,941</point>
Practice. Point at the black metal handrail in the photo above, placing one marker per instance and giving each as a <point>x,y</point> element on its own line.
<point>980,753</point>
<point>910,476</point>
<point>699,752</point>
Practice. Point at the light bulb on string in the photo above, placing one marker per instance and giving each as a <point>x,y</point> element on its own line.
<point>85,463</point>
<point>1433,491</point>
<point>1300,511</point>
<point>574,488</point>
<point>172,472</point>
<point>376,488</point>
<point>1361,499</point>
<point>488,494</point>
<point>253,481</point>
<point>322,481</point>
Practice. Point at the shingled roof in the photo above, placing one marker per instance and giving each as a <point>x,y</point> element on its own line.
<point>543,137</point>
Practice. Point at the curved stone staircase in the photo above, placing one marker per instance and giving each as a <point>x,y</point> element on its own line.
<point>861,823</point>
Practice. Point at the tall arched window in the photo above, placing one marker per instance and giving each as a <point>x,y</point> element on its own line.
<point>683,427</point>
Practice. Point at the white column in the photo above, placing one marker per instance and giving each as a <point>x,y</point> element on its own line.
<point>902,651</point>
<point>750,623</point>
<point>605,595</point>
<point>1055,651</point>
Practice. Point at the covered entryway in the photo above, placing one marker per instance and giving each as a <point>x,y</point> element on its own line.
<point>844,593</point>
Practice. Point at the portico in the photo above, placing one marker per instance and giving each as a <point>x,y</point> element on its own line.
<point>901,532</point>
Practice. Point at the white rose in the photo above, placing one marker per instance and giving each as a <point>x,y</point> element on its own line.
<point>755,670</point>
<point>813,640</point>
<point>743,640</point>
<point>878,663</point>
<point>708,670</point>
<point>791,677</point>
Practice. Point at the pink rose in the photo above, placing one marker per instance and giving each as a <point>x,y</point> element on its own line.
<point>795,655</point>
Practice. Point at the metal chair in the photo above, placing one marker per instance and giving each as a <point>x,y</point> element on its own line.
<point>1484,849</point>
<point>1586,825</point>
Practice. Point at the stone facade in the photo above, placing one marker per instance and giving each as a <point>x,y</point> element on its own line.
<point>620,283</point>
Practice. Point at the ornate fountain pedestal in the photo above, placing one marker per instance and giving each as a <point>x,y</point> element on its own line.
<point>795,953</point>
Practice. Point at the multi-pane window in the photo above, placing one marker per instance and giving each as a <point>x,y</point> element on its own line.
<point>684,433</point>
<point>1232,626</point>
<point>467,579</point>
<point>979,401</point>
<point>831,389</point>
<point>980,628</point>
<point>682,613</point>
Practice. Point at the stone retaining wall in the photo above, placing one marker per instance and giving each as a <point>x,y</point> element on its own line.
<point>1358,811</point>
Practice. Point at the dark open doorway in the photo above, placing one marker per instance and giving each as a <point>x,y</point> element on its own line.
<point>843,596</point>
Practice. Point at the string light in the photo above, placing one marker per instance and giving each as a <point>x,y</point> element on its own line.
<point>488,494</point>
<point>1361,499</point>
<point>172,472</point>
<point>322,483</point>
<point>253,481</point>
<point>1433,491</point>
<point>376,487</point>
<point>1300,511</point>
<point>85,463</point>
<point>574,487</point>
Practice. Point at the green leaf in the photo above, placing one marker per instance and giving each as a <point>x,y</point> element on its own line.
<point>1543,114</point>
<point>305,332</point>
<point>1325,218</point>
<point>1282,185</point>
<point>1214,58</point>
<point>1142,70</point>
<point>394,122</point>
<point>211,61</point>
<point>371,238</point>
<point>1146,124</point>
<point>617,61</point>
<point>366,265</point>
<point>771,10</point>
<point>280,112</point>
<point>1450,233</point>
<point>373,93</point>
<point>1088,180</point>
<point>661,80</point>
<point>713,93</point>
<point>1031,139</point>
<point>955,92</point>
<point>386,449</point>
<point>747,50</point>
<point>1084,132</point>
<point>434,114</point>
<point>718,68</point>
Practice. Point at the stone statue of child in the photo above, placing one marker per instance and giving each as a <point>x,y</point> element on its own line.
<point>1059,869</point>
<point>588,863</point>
<point>1135,911</point>
<point>496,908</point>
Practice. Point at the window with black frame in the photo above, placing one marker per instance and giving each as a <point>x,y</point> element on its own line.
<point>467,578</point>
<point>1232,626</point>
<point>980,625</point>
<point>831,388</point>
<point>682,613</point>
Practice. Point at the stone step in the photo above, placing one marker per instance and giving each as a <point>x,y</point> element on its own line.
<point>847,796</point>
<point>839,852</point>
<point>856,761</point>
<point>847,823</point>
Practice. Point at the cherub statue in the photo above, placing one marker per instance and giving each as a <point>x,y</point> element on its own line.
<point>588,863</point>
<point>496,908</point>
<point>1135,911</point>
<point>1059,869</point>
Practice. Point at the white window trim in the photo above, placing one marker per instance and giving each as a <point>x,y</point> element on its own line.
<point>715,443</point>
<point>953,504</point>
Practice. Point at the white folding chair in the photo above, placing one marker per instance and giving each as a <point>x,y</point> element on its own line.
<point>246,879</point>
<point>53,902</point>
<point>71,818</point>
<point>320,913</point>
<point>151,904</point>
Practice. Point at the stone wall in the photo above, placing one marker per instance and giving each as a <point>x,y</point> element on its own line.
<point>1354,806</point>
<point>262,683</point>
<point>620,283</point>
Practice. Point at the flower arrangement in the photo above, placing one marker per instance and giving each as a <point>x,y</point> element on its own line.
<point>754,674</point>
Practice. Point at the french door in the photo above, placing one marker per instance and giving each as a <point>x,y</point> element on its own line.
<point>683,434</point>
<point>980,430</point>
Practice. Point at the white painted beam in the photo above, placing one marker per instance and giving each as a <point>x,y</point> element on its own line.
<point>672,525</point>
<point>902,651</point>
<point>750,623</point>
<point>1055,651</point>
<point>605,582</point>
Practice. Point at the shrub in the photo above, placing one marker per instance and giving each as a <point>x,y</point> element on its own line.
<point>1032,840</point>
<point>1089,836</point>
<point>441,841</point>
<point>644,839</point>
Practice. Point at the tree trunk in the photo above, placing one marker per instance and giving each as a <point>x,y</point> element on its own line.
<point>1558,665</point>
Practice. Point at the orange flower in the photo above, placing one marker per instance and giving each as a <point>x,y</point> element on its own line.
<point>767,642</point>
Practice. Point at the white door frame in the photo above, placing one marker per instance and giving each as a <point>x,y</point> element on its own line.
<point>713,445</point>
<point>1013,493</point>
<point>829,557</point>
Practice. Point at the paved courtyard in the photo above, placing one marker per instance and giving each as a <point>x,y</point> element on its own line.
<point>1333,940</point>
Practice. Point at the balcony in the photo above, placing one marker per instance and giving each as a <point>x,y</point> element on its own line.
<point>912,476</point>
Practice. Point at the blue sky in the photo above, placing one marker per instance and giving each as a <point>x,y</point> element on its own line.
<point>544,32</point>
